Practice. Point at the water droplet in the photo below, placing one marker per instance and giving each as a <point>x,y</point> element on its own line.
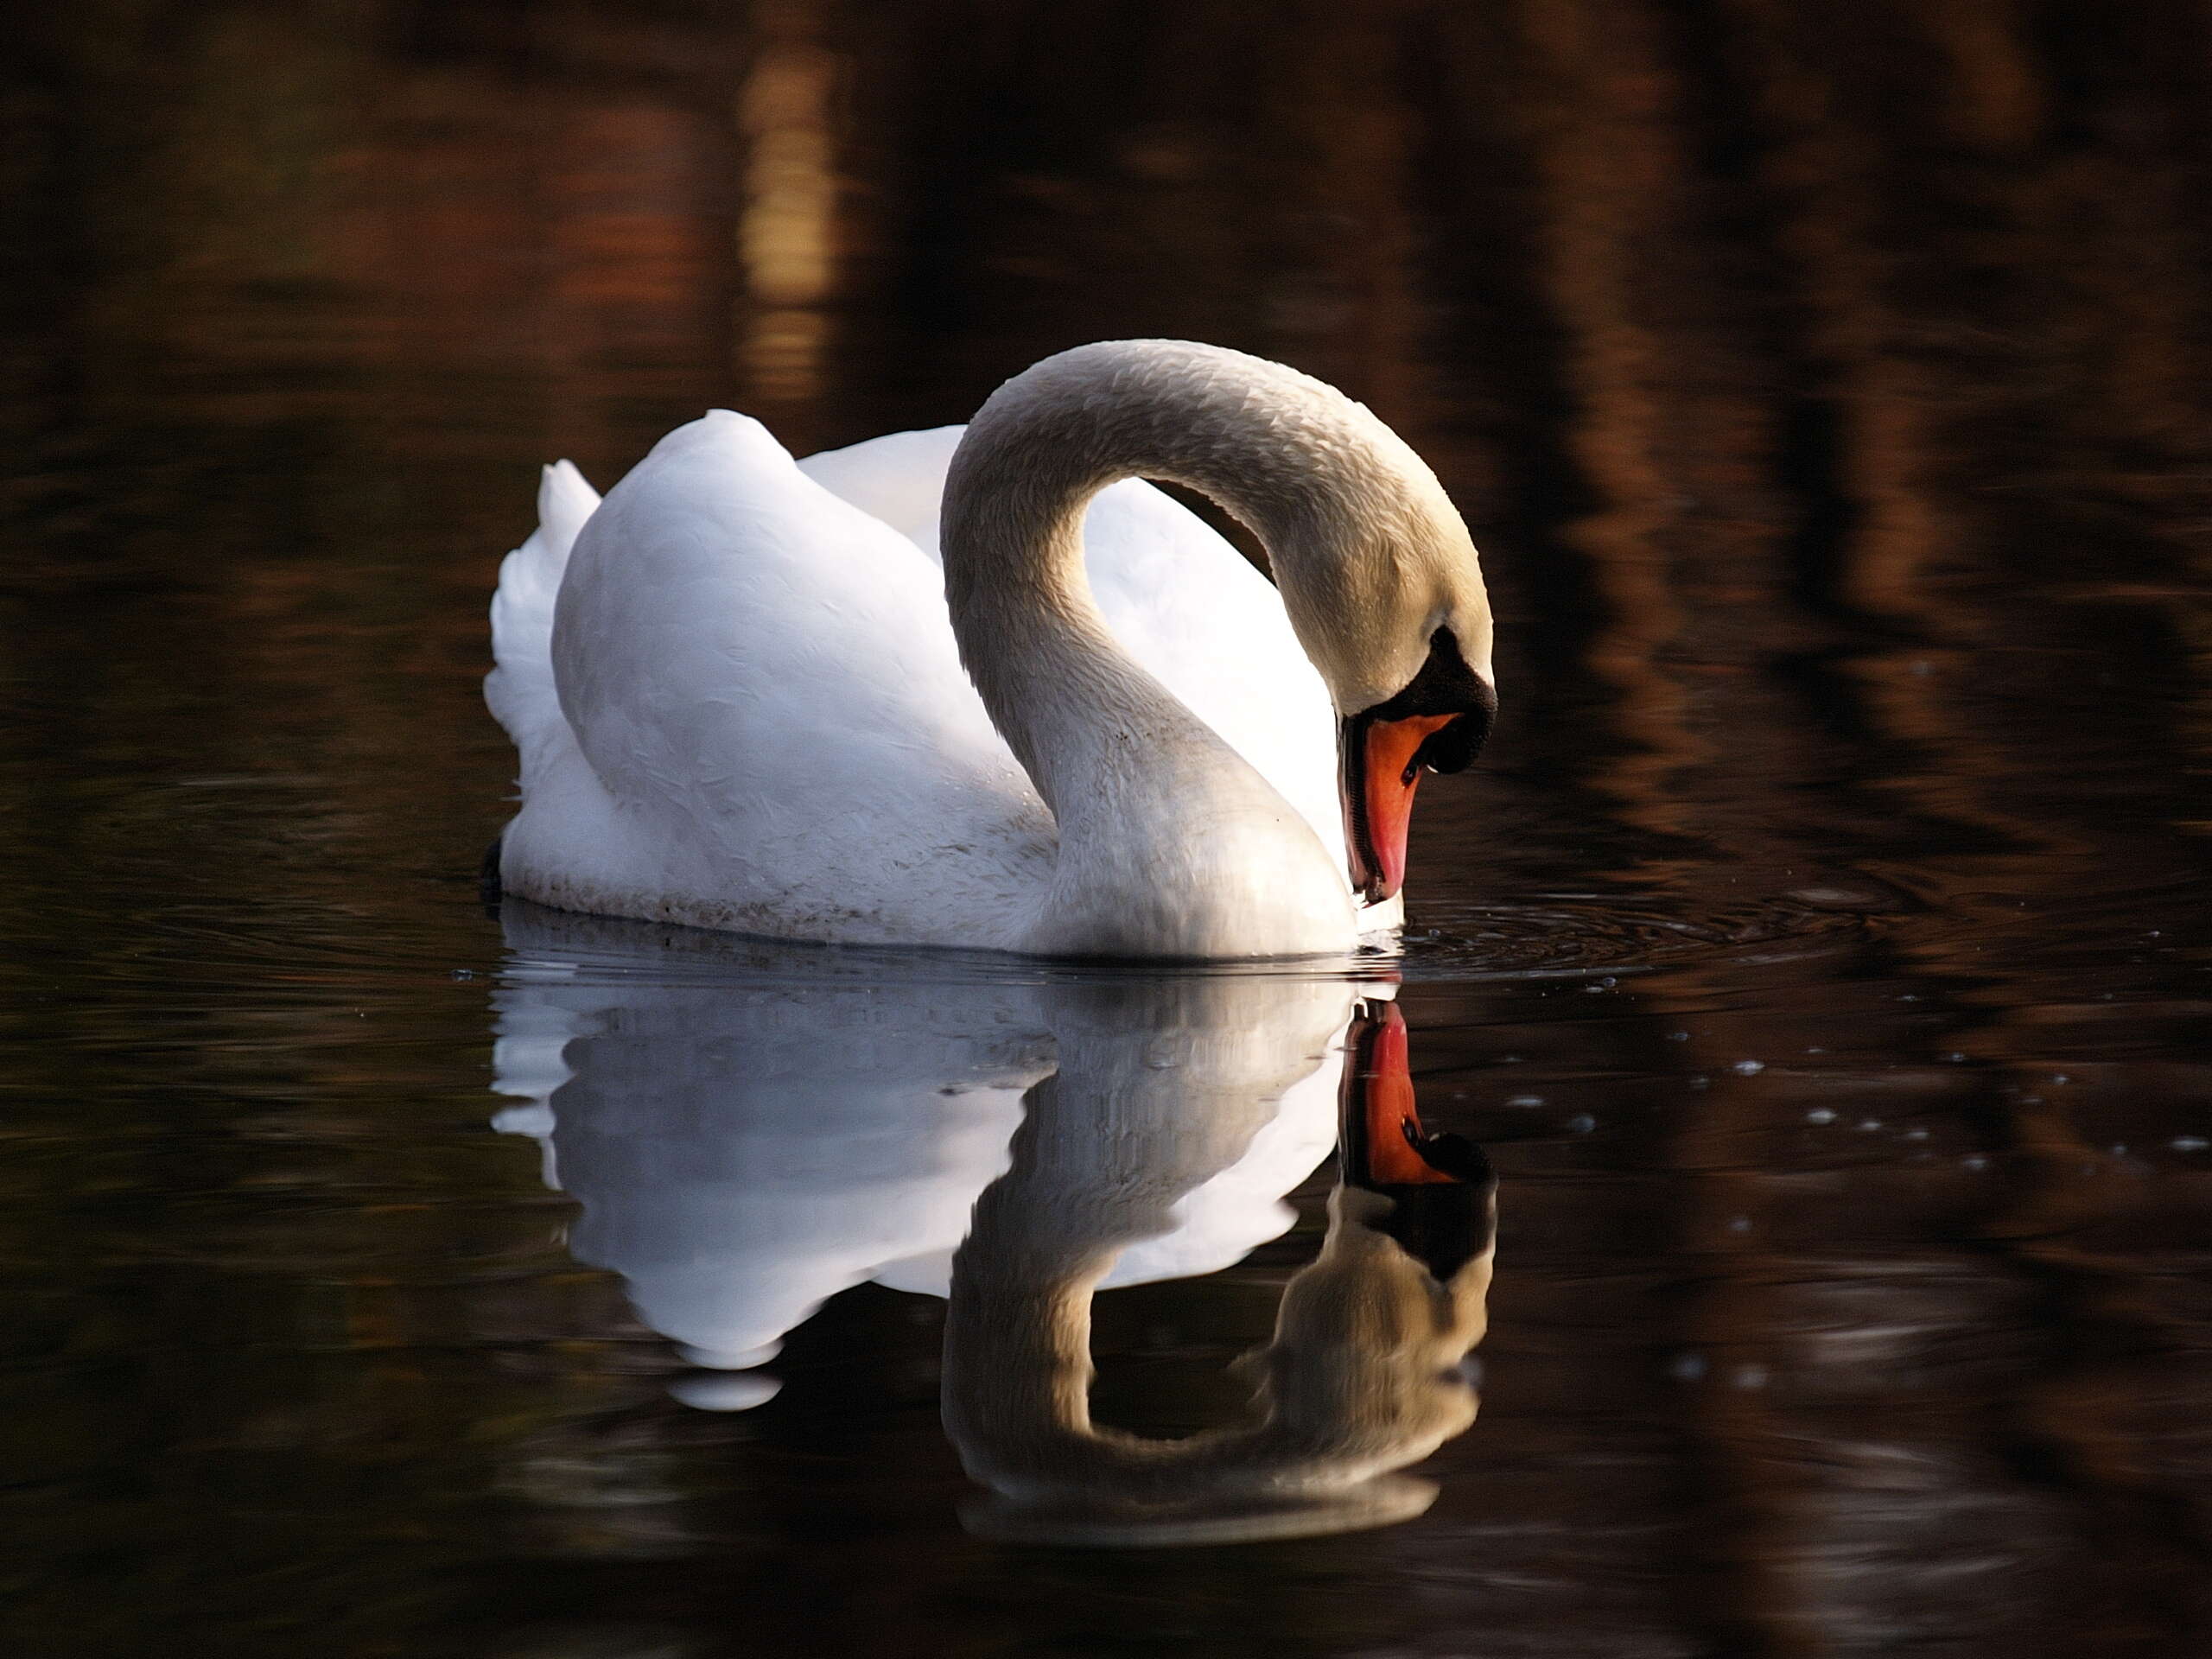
<point>1526,1100</point>
<point>1867,1125</point>
<point>2191,1143</point>
<point>1748,1376</point>
<point>1582,1123</point>
<point>1678,1036</point>
<point>1686,1367</point>
<point>1820,1114</point>
<point>1916,1135</point>
<point>1974,1161</point>
<point>1748,1068</point>
<point>1739,1224</point>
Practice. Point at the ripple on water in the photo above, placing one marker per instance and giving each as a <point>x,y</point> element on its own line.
<point>1573,934</point>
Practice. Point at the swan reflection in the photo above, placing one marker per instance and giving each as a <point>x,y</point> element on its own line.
<point>751,1128</point>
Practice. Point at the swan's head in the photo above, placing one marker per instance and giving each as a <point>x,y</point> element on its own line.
<point>1399,626</point>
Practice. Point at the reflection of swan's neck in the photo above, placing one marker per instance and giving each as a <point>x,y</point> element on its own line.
<point>1358,1381</point>
<point>1156,811</point>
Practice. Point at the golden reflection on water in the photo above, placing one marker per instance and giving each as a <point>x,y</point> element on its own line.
<point>787,231</point>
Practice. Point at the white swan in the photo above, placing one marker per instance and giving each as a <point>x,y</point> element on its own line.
<point>741,701</point>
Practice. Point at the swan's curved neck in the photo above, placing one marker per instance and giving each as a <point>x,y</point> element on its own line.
<point>1126,768</point>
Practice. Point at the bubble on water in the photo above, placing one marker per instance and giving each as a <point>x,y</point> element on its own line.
<point>1686,1367</point>
<point>1956,1057</point>
<point>1916,1135</point>
<point>1820,1114</point>
<point>1974,1161</point>
<point>1526,1100</point>
<point>2191,1143</point>
<point>1582,1123</point>
<point>1678,1036</point>
<point>1748,1376</point>
<point>1739,1224</point>
<point>1748,1068</point>
<point>1869,1124</point>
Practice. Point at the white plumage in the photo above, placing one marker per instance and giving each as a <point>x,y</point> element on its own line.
<point>739,701</point>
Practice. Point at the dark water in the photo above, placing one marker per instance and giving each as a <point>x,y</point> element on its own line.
<point>1820,956</point>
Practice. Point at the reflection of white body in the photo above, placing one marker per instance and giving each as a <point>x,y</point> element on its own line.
<point>755,1130</point>
<point>739,701</point>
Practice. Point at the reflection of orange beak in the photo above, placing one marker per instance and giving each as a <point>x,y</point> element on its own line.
<point>1381,1123</point>
<point>1380,774</point>
<point>1438,1185</point>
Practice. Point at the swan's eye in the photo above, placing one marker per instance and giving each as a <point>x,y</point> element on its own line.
<point>1445,685</point>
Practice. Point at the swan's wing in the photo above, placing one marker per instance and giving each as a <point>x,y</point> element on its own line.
<point>1181,599</point>
<point>899,478</point>
<point>520,689</point>
<point>776,733</point>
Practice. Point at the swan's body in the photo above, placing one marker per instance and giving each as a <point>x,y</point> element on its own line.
<point>742,700</point>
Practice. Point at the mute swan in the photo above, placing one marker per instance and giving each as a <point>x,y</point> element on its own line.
<point>743,700</point>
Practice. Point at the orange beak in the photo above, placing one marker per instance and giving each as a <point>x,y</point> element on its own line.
<point>1380,774</point>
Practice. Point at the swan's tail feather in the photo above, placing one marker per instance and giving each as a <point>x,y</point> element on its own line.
<point>520,690</point>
